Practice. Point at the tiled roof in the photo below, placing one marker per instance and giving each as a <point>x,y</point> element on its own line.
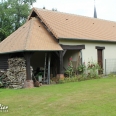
<point>64,25</point>
<point>32,36</point>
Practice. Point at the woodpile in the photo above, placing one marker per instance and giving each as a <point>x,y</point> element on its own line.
<point>15,76</point>
<point>4,81</point>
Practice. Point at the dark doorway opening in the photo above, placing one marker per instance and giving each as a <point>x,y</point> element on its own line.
<point>100,58</point>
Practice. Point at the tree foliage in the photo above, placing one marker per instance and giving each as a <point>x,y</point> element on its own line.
<point>13,14</point>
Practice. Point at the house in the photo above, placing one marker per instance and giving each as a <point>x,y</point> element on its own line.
<point>61,36</point>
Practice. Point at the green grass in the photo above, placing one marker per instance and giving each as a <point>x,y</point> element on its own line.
<point>87,98</point>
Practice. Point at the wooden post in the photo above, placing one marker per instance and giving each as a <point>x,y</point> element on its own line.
<point>45,68</point>
<point>49,58</point>
<point>61,62</point>
<point>28,71</point>
<point>61,55</point>
<point>29,81</point>
<point>60,74</point>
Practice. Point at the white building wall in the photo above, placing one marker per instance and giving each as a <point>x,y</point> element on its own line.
<point>90,52</point>
<point>70,54</point>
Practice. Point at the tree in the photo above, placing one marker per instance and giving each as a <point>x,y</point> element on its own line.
<point>13,14</point>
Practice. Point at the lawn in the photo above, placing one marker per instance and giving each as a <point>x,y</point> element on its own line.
<point>86,98</point>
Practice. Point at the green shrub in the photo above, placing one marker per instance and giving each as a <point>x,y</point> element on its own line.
<point>61,81</point>
<point>81,68</point>
<point>85,72</point>
<point>69,71</point>
<point>92,70</point>
<point>1,84</point>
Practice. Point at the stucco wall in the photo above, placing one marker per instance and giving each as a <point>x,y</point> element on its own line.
<point>90,52</point>
<point>71,54</point>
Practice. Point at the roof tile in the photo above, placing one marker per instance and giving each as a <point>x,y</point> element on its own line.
<point>32,36</point>
<point>64,25</point>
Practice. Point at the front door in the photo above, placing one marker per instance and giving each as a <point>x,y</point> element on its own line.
<point>100,60</point>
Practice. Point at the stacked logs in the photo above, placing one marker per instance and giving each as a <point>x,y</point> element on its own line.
<point>15,76</point>
<point>4,80</point>
<point>16,72</point>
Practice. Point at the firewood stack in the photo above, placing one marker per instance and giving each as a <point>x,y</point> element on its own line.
<point>15,76</point>
<point>4,80</point>
<point>16,72</point>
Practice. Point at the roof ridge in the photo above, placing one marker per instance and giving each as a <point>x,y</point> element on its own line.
<point>72,14</point>
<point>26,39</point>
<point>74,26</point>
<point>44,21</point>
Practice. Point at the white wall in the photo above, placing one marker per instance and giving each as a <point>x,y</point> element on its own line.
<point>71,54</point>
<point>90,52</point>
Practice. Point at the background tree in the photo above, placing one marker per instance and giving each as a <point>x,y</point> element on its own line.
<point>13,14</point>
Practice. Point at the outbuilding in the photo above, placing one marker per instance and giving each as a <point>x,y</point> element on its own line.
<point>58,36</point>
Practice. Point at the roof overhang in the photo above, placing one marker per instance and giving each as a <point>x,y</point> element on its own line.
<point>91,40</point>
<point>11,52</point>
<point>32,36</point>
<point>72,47</point>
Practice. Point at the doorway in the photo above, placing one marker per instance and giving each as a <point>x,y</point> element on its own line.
<point>100,57</point>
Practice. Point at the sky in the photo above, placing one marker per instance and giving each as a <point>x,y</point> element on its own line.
<point>106,9</point>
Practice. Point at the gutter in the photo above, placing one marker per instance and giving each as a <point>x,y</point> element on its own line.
<point>92,40</point>
<point>30,51</point>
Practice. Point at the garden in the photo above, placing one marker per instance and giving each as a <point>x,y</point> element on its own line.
<point>91,70</point>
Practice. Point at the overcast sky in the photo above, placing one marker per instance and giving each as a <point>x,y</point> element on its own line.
<point>106,9</point>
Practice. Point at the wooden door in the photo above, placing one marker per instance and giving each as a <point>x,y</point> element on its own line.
<point>100,58</point>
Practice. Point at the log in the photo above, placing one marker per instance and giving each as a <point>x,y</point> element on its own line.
<point>15,75</point>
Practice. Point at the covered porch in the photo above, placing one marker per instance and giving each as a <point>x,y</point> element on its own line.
<point>31,41</point>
